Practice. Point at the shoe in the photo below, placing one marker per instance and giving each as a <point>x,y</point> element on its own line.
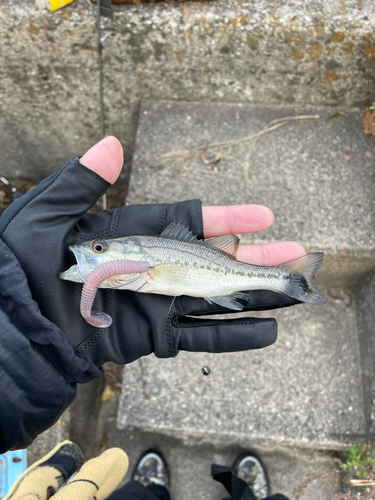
<point>151,468</point>
<point>62,462</point>
<point>253,473</point>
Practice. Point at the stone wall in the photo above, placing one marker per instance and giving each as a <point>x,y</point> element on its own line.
<point>318,52</point>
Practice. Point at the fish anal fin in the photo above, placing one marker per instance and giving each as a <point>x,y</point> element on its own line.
<point>230,301</point>
<point>227,243</point>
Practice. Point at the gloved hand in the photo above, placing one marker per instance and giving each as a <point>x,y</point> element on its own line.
<point>40,225</point>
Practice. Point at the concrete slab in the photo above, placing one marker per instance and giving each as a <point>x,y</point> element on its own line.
<point>299,474</point>
<point>304,391</point>
<point>316,176</point>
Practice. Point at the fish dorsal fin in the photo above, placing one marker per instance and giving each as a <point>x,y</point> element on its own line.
<point>228,243</point>
<point>179,232</point>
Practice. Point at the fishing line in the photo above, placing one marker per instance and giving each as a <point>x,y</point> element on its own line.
<point>169,310</point>
<point>100,40</point>
<point>206,370</point>
<point>191,359</point>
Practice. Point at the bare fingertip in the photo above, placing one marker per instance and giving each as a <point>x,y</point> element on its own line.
<point>297,249</point>
<point>105,158</point>
<point>269,216</point>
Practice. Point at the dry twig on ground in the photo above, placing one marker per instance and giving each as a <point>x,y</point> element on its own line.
<point>215,150</point>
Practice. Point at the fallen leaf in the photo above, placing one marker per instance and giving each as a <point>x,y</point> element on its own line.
<point>368,123</point>
<point>107,393</point>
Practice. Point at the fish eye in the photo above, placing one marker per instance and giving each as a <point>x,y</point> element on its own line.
<point>99,246</point>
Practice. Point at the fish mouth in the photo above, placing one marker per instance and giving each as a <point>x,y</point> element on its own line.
<point>71,274</point>
<point>80,271</point>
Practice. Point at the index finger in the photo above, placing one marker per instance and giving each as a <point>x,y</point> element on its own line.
<point>235,219</point>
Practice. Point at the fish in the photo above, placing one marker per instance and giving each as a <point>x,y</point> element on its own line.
<point>177,263</point>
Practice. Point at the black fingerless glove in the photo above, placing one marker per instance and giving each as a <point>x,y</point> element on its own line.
<point>40,225</point>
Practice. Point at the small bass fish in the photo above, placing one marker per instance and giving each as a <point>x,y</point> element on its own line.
<point>177,263</point>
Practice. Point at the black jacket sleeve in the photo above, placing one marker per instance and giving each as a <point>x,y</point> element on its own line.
<point>38,367</point>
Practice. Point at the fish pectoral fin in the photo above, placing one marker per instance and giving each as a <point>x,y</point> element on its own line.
<point>168,273</point>
<point>230,301</point>
<point>227,243</point>
<point>119,282</point>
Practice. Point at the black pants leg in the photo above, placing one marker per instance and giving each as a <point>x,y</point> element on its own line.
<point>236,487</point>
<point>136,491</point>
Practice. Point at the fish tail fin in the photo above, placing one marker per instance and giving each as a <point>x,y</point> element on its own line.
<point>300,283</point>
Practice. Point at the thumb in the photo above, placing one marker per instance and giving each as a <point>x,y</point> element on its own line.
<point>69,193</point>
<point>105,159</point>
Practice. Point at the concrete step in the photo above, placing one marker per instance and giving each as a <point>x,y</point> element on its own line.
<point>316,176</point>
<point>304,391</point>
<point>308,389</point>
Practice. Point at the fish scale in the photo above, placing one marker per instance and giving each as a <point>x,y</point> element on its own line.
<point>206,271</point>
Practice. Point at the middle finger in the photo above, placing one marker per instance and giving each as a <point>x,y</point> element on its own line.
<point>270,254</point>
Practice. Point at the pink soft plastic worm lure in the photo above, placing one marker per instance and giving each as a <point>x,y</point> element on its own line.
<point>96,277</point>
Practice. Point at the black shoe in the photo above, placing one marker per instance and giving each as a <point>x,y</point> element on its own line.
<point>151,468</point>
<point>253,473</point>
